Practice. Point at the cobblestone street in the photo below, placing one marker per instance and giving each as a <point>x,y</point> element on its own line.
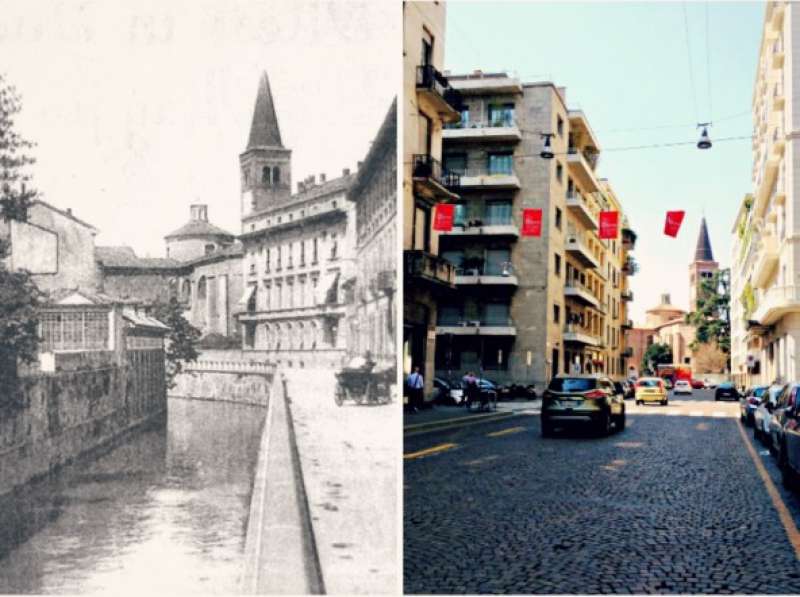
<point>673,504</point>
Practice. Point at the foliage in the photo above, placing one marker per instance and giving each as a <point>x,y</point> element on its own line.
<point>15,196</point>
<point>19,296</point>
<point>711,319</point>
<point>748,298</point>
<point>656,354</point>
<point>182,338</point>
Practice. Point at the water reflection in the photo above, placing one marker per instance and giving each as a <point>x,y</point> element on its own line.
<point>166,511</point>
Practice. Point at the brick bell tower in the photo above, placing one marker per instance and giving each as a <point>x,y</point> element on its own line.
<point>266,165</point>
<point>703,265</point>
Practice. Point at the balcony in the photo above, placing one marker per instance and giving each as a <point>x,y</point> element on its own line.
<point>775,303</point>
<point>770,166</point>
<point>435,272</point>
<point>776,15</point>
<point>575,290</point>
<point>486,83</point>
<point>489,227</point>
<point>778,98</point>
<point>630,267</point>
<point>627,324</point>
<point>777,54</point>
<point>431,180</point>
<point>435,88</point>
<point>482,327</point>
<point>483,178</point>
<point>576,245</point>
<point>628,238</point>
<point>581,164</point>
<point>579,208</point>
<point>576,334</point>
<point>626,295</point>
<point>627,353</point>
<point>498,129</point>
<point>489,275</point>
<point>766,260</point>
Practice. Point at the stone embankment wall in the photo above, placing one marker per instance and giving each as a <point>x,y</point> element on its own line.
<point>59,417</point>
<point>225,376</point>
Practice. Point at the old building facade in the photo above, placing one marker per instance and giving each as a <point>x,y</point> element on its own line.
<point>372,316</point>
<point>298,252</point>
<point>529,308</point>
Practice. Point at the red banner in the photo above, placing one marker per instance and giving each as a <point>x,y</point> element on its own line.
<point>609,224</point>
<point>673,222</point>
<point>443,217</point>
<point>531,222</point>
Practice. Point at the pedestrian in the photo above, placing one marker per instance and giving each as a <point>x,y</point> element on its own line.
<point>470,388</point>
<point>416,386</point>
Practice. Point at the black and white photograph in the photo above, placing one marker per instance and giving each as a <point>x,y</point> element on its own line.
<point>198,298</point>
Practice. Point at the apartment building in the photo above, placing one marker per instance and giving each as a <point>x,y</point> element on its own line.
<point>765,322</point>
<point>428,103</point>
<point>529,307</point>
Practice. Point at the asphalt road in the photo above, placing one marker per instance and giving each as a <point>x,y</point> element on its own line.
<point>676,503</point>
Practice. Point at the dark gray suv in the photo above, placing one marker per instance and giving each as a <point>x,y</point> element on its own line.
<point>582,399</point>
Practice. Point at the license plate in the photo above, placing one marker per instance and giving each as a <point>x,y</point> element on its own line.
<point>569,403</point>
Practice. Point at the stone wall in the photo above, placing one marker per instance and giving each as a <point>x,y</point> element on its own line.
<point>229,375</point>
<point>62,416</point>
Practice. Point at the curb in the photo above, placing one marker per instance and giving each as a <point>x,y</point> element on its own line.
<point>464,421</point>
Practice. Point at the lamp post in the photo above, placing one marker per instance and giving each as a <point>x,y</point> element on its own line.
<point>547,149</point>
<point>705,141</point>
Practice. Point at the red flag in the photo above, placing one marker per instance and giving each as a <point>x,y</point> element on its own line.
<point>609,224</point>
<point>443,217</point>
<point>673,223</point>
<point>531,222</point>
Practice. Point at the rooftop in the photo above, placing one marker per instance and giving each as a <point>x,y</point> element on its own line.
<point>125,257</point>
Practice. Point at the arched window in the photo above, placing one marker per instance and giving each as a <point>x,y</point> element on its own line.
<point>201,289</point>
<point>246,176</point>
<point>265,176</point>
<point>276,176</point>
<point>186,289</point>
<point>210,248</point>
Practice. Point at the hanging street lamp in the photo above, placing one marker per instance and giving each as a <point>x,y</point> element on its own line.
<point>705,140</point>
<point>547,150</point>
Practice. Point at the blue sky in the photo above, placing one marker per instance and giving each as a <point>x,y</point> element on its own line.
<point>626,65</point>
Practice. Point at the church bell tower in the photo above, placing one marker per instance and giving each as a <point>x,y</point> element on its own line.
<point>703,266</point>
<point>266,165</point>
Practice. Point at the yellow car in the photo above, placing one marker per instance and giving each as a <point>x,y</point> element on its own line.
<point>651,389</point>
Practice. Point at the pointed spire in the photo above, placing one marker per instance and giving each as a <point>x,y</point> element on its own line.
<point>703,250</point>
<point>264,132</point>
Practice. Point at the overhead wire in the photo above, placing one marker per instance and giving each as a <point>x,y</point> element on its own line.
<point>708,69</point>
<point>689,57</point>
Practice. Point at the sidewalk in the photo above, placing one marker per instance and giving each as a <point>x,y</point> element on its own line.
<point>438,417</point>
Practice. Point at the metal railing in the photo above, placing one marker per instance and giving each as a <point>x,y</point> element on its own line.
<point>429,78</point>
<point>482,322</point>
<point>505,268</point>
<point>424,265</point>
<point>590,156</point>
<point>505,121</point>
<point>426,166</point>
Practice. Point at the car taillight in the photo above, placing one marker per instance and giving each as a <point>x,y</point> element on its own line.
<point>595,394</point>
<point>754,401</point>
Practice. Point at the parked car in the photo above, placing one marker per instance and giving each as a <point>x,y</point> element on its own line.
<point>789,449</point>
<point>630,388</point>
<point>710,384</point>
<point>783,406</point>
<point>488,391</point>
<point>582,399</point>
<point>697,384</point>
<point>682,387</point>
<point>447,391</point>
<point>517,390</point>
<point>667,383</point>
<point>749,402</point>
<point>651,389</point>
<point>763,414</point>
<point>726,390</point>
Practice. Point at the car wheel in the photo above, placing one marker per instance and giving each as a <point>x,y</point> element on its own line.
<point>547,428</point>
<point>604,424</point>
<point>619,423</point>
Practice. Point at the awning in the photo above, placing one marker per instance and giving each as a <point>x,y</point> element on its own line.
<point>142,321</point>
<point>248,294</point>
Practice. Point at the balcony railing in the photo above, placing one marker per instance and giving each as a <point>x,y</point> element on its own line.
<point>628,238</point>
<point>496,122</point>
<point>626,295</point>
<point>589,156</point>
<point>426,167</point>
<point>487,269</point>
<point>419,264</point>
<point>431,80</point>
<point>630,267</point>
<point>482,322</point>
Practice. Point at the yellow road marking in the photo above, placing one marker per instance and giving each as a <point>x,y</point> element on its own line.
<point>429,451</point>
<point>783,512</point>
<point>508,431</point>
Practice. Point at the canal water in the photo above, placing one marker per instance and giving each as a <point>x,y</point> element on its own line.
<point>165,511</point>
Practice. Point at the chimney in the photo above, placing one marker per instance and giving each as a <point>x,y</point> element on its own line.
<point>312,179</point>
<point>345,171</point>
<point>322,178</point>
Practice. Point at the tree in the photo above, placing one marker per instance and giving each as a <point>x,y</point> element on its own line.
<point>711,318</point>
<point>656,354</point>
<point>15,196</point>
<point>19,296</point>
<point>181,339</point>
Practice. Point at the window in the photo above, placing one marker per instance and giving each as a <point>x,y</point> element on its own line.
<point>460,214</point>
<point>556,313</point>
<point>496,314</point>
<point>266,179</point>
<point>421,240</point>
<point>500,163</point>
<point>246,176</point>
<point>498,212</point>
<point>559,172</point>
<point>558,264</point>
<point>464,118</point>
<point>302,252</point>
<point>560,126</point>
<point>498,262</point>
<point>558,218</point>
<point>314,252</point>
<point>425,133</point>
<point>456,163</point>
<point>209,248</point>
<point>501,114</point>
<point>334,247</point>
<point>278,259</point>
<point>276,176</point>
<point>427,48</point>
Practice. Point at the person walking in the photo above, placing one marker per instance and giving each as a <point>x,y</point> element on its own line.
<point>416,386</point>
